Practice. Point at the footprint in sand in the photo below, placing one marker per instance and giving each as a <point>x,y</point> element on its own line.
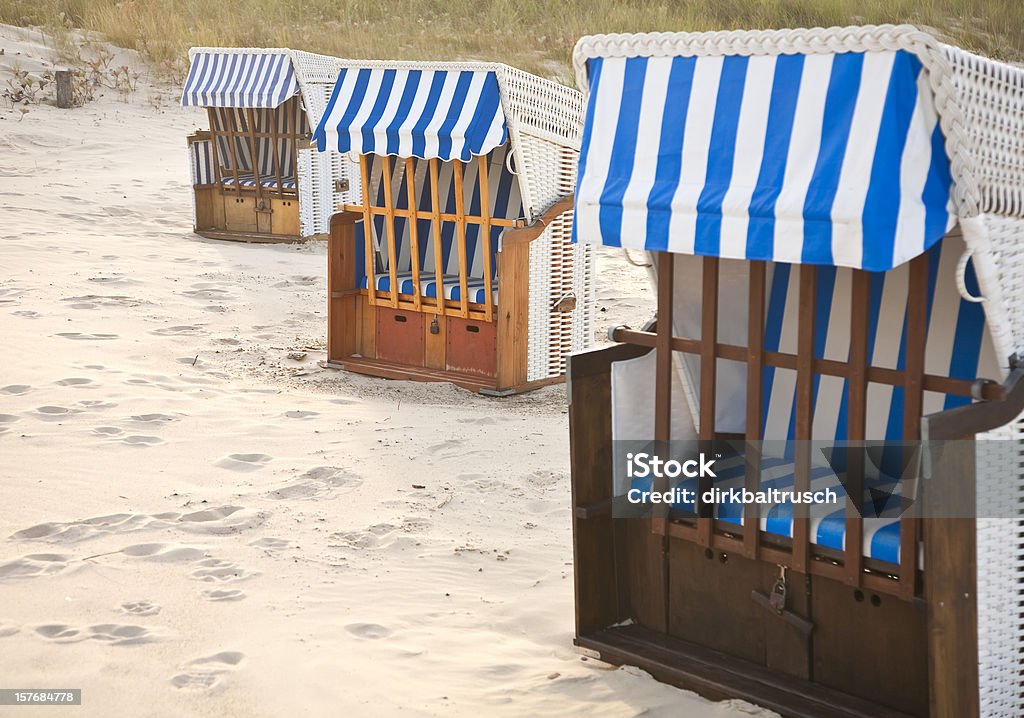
<point>273,544</point>
<point>213,570</point>
<point>6,631</point>
<point>55,413</point>
<point>244,462</point>
<point>36,564</point>
<point>27,313</point>
<point>74,381</point>
<point>219,520</point>
<point>179,330</point>
<point>96,404</point>
<point>115,634</point>
<point>373,631</point>
<point>107,431</point>
<point>205,673</point>
<point>74,531</point>
<point>316,482</point>
<point>87,337</point>
<point>140,608</point>
<point>300,414</point>
<point>164,553</point>
<point>8,418</point>
<point>223,594</point>
<point>140,440</point>
<point>16,389</point>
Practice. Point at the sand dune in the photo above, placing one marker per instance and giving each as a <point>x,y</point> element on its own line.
<point>198,520</point>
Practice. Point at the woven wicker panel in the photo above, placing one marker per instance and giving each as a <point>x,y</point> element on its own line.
<point>991,98</point>
<point>1001,572</point>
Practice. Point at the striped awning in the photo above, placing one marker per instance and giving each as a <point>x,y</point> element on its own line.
<point>239,79</point>
<point>426,113</point>
<point>827,159</point>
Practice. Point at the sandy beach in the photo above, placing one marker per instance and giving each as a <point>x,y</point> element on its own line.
<point>196,519</point>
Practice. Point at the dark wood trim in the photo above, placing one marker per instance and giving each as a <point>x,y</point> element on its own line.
<point>971,419</point>
<point>717,676</point>
<point>757,286</point>
<point>856,422</point>
<point>804,413</point>
<point>536,228</point>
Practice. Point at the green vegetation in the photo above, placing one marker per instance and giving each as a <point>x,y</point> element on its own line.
<point>531,34</point>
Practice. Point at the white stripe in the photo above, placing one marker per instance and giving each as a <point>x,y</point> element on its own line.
<point>367,102</point>
<point>888,334</point>
<point>848,207</point>
<point>837,348</point>
<point>645,161</point>
<point>914,167</point>
<point>602,134</point>
<point>343,97</point>
<point>380,137</point>
<point>419,101</point>
<point>750,138</point>
<point>700,117</point>
<point>802,158</point>
<point>780,401</point>
<point>444,103</point>
<point>469,110</point>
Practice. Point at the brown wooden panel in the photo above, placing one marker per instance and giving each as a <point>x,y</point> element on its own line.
<point>513,315</point>
<point>876,652</point>
<point>399,336</point>
<point>239,213</point>
<point>435,342</point>
<point>471,346</point>
<point>710,602</point>
<point>207,199</point>
<point>264,215</point>
<point>285,217</point>
<point>342,308</point>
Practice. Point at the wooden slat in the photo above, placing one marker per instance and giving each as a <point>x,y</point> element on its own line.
<point>276,140</point>
<point>708,381</point>
<point>485,233</point>
<point>371,253</point>
<point>435,224</point>
<point>414,240</point>
<point>389,228</point>
<point>233,146</point>
<point>857,398</point>
<point>460,233</point>
<point>663,355</point>
<point>804,414</point>
<point>913,405</point>
<point>250,119</point>
<point>755,401</point>
<point>215,153</point>
<point>826,367</point>
<point>444,216</point>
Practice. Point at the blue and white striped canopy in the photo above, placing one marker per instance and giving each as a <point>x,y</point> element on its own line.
<point>239,79</point>
<point>426,113</point>
<point>827,159</point>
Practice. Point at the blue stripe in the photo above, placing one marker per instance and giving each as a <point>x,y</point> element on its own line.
<point>936,191</point>
<point>383,91</point>
<point>344,138</point>
<point>620,167</point>
<point>885,544</point>
<point>882,204</point>
<point>419,140</point>
<point>773,330</point>
<point>319,134</point>
<point>594,76</point>
<point>778,134</point>
<point>444,144</point>
<point>404,105</point>
<point>488,106</point>
<point>670,155</point>
<point>970,332</point>
<point>721,154</point>
<point>840,102</point>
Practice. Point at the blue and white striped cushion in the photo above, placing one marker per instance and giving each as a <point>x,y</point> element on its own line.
<point>428,286</point>
<point>249,182</point>
<point>827,521</point>
<point>201,154</point>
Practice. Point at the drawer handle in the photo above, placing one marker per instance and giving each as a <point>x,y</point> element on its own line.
<point>400,318</point>
<point>472,328</point>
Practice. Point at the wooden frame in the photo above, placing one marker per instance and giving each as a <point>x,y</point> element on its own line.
<point>497,333</point>
<point>685,585</point>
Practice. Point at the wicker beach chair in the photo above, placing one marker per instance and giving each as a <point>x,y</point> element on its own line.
<point>835,219</point>
<point>254,175</point>
<point>457,264</point>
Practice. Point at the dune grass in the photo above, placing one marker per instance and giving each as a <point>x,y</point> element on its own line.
<point>536,35</point>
